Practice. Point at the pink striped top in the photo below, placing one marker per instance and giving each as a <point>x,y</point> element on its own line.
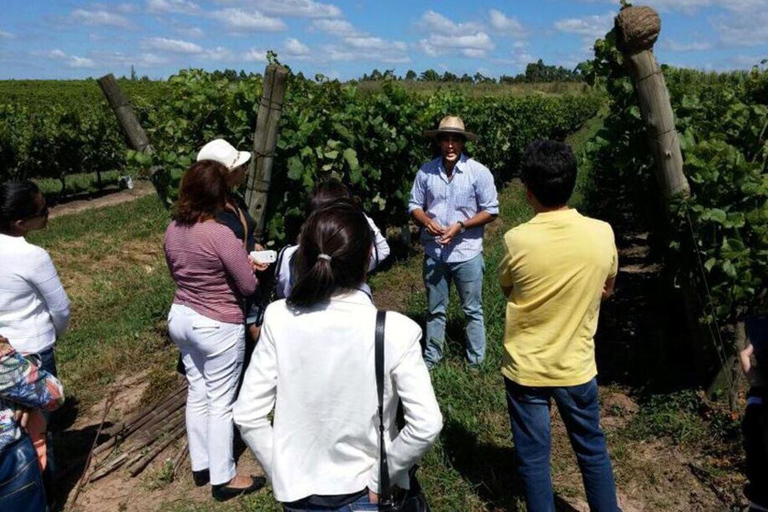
<point>211,269</point>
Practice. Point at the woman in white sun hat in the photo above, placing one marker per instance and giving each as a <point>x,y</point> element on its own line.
<point>236,216</point>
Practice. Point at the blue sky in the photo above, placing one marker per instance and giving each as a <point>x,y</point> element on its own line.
<point>344,39</point>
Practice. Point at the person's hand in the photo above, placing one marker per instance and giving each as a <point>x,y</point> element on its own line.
<point>258,267</point>
<point>434,228</point>
<point>372,497</point>
<point>449,234</point>
<point>21,416</point>
<point>751,372</point>
<point>258,247</point>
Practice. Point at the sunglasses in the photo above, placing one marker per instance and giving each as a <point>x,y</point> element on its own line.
<point>42,213</point>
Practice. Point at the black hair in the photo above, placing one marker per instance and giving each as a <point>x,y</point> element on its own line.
<point>326,192</point>
<point>548,170</point>
<point>17,201</point>
<point>334,249</point>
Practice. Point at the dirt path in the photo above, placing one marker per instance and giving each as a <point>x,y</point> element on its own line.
<point>141,189</point>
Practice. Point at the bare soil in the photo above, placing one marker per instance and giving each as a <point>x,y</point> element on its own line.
<point>141,189</point>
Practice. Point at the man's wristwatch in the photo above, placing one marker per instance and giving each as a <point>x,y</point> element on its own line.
<point>463,227</point>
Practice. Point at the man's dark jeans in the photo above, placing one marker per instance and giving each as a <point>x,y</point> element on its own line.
<point>530,420</point>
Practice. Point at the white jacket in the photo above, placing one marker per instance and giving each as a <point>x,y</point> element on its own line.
<point>316,368</point>
<point>34,309</point>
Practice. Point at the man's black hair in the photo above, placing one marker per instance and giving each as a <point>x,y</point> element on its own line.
<point>548,170</point>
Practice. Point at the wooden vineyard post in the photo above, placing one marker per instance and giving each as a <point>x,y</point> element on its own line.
<point>124,112</point>
<point>264,143</point>
<point>126,118</point>
<point>638,29</point>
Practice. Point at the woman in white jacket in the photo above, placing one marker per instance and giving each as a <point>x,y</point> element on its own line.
<point>314,365</point>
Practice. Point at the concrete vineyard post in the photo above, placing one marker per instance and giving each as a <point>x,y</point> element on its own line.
<point>264,143</point>
<point>638,29</point>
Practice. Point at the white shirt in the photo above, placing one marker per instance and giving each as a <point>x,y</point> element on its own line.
<point>316,368</point>
<point>34,309</point>
<point>284,284</point>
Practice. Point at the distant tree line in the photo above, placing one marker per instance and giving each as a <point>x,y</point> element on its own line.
<point>535,72</point>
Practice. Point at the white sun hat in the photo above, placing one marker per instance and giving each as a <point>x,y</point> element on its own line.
<point>223,152</point>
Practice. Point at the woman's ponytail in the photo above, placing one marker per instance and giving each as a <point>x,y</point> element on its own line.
<point>334,248</point>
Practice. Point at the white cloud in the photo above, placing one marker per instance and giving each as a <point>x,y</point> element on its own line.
<point>172,6</point>
<point>336,27</point>
<point>72,61</point>
<point>747,29</point>
<point>240,20</point>
<point>436,22</point>
<point>193,32</point>
<point>445,36</point>
<point>297,8</point>
<point>295,48</point>
<point>171,45</point>
<point>126,8</point>
<point>254,55</point>
<point>676,46</point>
<point>5,35</point>
<point>219,54</point>
<point>100,18</point>
<point>589,28</point>
<point>474,45</point>
<point>375,43</point>
<point>507,25</point>
<point>142,60</point>
<point>691,6</point>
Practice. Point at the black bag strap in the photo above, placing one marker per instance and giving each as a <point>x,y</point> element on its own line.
<point>385,497</point>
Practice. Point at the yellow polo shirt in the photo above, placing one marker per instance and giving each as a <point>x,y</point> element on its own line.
<point>557,264</point>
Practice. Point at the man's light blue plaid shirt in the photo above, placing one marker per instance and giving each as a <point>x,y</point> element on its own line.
<point>448,201</point>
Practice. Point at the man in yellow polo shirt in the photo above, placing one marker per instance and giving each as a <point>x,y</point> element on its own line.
<point>557,268</point>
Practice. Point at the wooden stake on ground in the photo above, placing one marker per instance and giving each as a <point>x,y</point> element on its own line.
<point>264,143</point>
<point>81,481</point>
<point>638,29</point>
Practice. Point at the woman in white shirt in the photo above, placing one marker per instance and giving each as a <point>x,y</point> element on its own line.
<point>327,192</point>
<point>314,365</point>
<point>34,308</point>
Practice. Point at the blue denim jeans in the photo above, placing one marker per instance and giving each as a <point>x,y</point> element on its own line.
<point>530,420</point>
<point>468,276</point>
<point>21,485</point>
<point>360,505</point>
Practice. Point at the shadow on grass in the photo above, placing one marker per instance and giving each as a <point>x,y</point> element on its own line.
<point>490,469</point>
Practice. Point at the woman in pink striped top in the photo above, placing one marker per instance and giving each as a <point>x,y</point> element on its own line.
<point>213,274</point>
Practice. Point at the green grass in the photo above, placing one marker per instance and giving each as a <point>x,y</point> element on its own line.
<point>112,265</point>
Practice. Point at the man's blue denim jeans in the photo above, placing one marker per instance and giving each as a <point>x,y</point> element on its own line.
<point>21,486</point>
<point>530,420</point>
<point>362,504</point>
<point>468,276</point>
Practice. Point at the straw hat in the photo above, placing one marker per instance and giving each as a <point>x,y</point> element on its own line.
<point>451,124</point>
<point>223,152</point>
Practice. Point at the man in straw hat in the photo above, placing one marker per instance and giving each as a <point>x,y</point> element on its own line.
<point>452,198</point>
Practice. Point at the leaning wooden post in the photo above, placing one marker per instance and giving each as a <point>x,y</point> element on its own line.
<point>638,28</point>
<point>265,142</point>
<point>124,112</point>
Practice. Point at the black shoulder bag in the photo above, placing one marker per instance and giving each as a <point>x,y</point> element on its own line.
<point>412,500</point>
